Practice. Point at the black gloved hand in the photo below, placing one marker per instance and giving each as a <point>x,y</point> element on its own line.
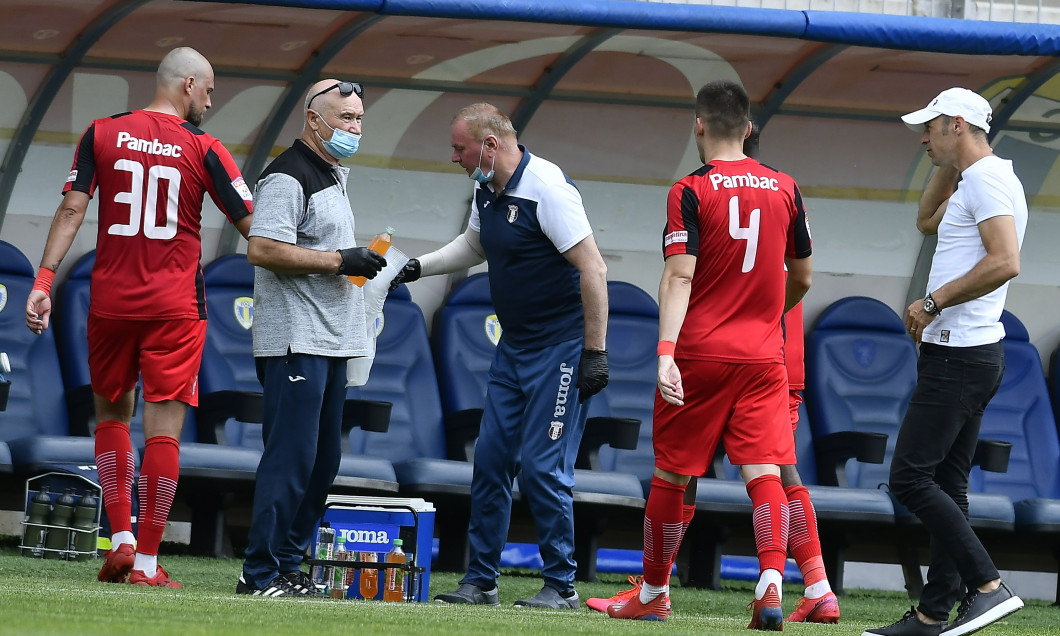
<point>592,373</point>
<point>360,261</point>
<point>410,272</point>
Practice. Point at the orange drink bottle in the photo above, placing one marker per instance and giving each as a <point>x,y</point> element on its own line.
<point>380,244</point>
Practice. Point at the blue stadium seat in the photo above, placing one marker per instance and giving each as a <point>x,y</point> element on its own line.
<point>1054,384</point>
<point>632,334</point>
<point>466,333</point>
<point>403,375</point>
<point>860,373</point>
<point>1020,414</point>
<point>35,424</point>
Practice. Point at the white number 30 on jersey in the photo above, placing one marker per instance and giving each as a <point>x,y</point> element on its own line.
<point>137,203</point>
<point>749,233</point>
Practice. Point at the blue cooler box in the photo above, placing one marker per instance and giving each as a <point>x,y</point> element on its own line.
<point>370,524</point>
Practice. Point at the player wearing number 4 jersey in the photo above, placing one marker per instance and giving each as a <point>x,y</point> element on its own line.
<point>147,315</point>
<point>731,227</point>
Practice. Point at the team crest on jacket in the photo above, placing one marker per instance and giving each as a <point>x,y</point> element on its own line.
<point>3,298</point>
<point>379,323</point>
<point>493,329</point>
<point>244,310</point>
<point>555,430</point>
<point>513,213</point>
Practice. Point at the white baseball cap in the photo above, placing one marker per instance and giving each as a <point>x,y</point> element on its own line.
<point>953,102</point>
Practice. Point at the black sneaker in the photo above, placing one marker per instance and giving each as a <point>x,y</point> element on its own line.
<point>303,585</point>
<point>979,609</point>
<point>470,594</point>
<point>277,587</point>
<point>908,625</point>
<point>550,598</point>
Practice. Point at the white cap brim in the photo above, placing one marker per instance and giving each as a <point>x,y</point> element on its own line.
<point>916,119</point>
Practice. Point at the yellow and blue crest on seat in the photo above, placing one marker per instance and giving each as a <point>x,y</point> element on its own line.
<point>3,296</point>
<point>493,329</point>
<point>379,322</point>
<point>244,310</point>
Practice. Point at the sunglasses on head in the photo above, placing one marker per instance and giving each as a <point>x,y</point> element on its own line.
<point>345,89</point>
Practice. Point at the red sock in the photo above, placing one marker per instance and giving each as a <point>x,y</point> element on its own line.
<point>770,513</point>
<point>803,541</point>
<point>116,467</point>
<point>158,486</point>
<point>662,530</point>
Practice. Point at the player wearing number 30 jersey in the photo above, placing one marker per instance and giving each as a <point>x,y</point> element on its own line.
<point>153,170</point>
<point>147,316</point>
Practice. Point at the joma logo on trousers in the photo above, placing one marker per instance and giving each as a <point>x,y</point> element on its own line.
<point>566,373</point>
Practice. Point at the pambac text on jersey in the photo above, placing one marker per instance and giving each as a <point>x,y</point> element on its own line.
<point>743,181</point>
<point>152,147</point>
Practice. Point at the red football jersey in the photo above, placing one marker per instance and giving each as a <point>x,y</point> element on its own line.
<point>152,171</point>
<point>739,219</point>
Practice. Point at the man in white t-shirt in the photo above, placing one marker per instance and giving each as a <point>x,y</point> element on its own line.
<point>980,229</point>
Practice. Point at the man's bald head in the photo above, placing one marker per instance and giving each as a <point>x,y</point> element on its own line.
<point>311,95</point>
<point>180,64</point>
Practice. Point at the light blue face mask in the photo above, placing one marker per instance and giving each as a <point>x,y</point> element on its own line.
<point>342,144</point>
<point>478,175</point>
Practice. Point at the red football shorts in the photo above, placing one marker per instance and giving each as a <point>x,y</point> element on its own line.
<point>166,352</point>
<point>794,400</point>
<point>745,406</point>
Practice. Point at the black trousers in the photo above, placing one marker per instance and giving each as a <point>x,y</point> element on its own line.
<point>932,460</point>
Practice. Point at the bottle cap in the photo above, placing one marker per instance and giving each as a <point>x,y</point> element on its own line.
<point>325,524</point>
<point>341,539</point>
<point>398,542</point>
<point>389,230</point>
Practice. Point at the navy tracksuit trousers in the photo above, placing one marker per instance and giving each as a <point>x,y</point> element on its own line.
<point>303,400</point>
<point>532,427</point>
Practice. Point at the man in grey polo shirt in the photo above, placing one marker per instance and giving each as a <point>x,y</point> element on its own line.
<point>308,321</point>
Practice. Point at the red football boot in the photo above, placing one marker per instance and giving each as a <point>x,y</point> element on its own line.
<point>658,609</point>
<point>117,563</point>
<point>816,610</point>
<point>160,579</point>
<point>768,615</point>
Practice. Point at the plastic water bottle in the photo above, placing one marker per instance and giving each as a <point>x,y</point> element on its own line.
<point>85,525</point>
<point>349,581</point>
<point>40,507</point>
<point>58,540</point>
<point>325,541</point>
<point>369,585</point>
<point>380,244</point>
<point>395,577</point>
<point>338,583</point>
<point>410,578</point>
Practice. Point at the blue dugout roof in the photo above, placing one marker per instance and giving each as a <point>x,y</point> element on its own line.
<point>603,87</point>
<point>940,35</point>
